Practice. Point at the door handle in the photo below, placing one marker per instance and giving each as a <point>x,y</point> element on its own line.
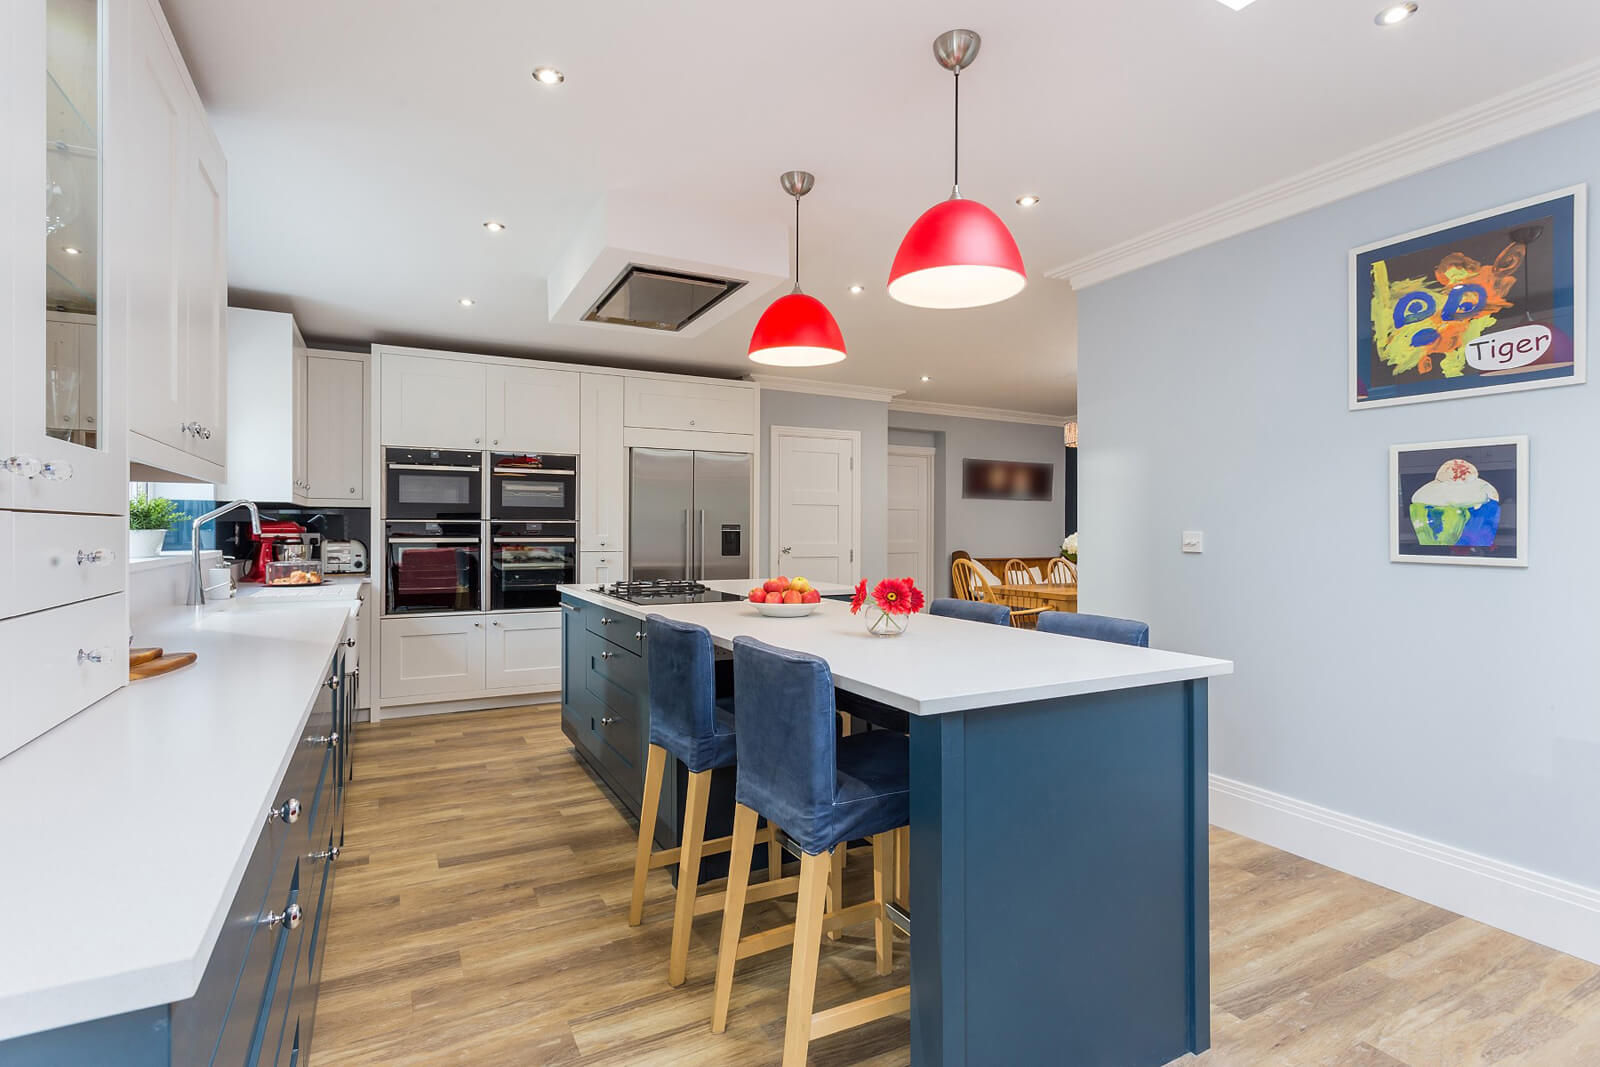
<point>785,550</point>
<point>687,537</point>
<point>702,573</point>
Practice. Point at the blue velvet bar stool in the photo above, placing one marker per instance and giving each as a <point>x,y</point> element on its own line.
<point>824,790</point>
<point>688,722</point>
<point>1096,627</point>
<point>971,610</point>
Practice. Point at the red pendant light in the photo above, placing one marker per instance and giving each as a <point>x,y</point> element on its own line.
<point>958,254</point>
<point>797,330</point>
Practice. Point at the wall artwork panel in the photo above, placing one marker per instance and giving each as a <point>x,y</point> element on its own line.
<point>1460,502</point>
<point>1484,304</point>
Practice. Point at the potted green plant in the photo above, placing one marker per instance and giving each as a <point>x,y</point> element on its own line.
<point>149,518</point>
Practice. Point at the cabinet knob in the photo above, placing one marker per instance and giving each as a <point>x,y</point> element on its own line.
<point>477,626</point>
<point>331,740</point>
<point>289,917</point>
<point>606,620</point>
<point>494,622</point>
<point>607,655</point>
<point>94,556</point>
<point>349,642</point>
<point>496,441</point>
<point>606,720</point>
<point>352,490</point>
<point>288,811</point>
<point>325,854</point>
<point>691,422</point>
<point>332,683</point>
<point>477,441</point>
<point>638,635</point>
<point>23,466</point>
<point>90,655</point>
<point>55,472</point>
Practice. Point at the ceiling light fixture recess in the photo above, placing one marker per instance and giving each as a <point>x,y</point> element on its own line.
<point>1237,5</point>
<point>466,301</point>
<point>797,330</point>
<point>548,76</point>
<point>70,251</point>
<point>856,290</point>
<point>926,379</point>
<point>1027,200</point>
<point>494,227</point>
<point>1395,14</point>
<point>958,254</point>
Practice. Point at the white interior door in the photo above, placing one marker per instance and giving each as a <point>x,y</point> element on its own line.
<point>910,549</point>
<point>816,504</point>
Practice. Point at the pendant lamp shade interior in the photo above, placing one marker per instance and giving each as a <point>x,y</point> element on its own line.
<point>797,330</point>
<point>958,254</point>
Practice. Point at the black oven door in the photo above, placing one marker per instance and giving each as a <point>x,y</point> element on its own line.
<point>433,567</point>
<point>533,488</point>
<point>528,561</point>
<point>433,484</point>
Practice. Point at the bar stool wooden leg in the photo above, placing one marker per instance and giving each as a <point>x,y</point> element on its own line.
<point>902,860</point>
<point>694,834</point>
<point>836,885</point>
<point>744,837</point>
<point>774,853</point>
<point>655,770</point>
<point>803,970</point>
<point>882,873</point>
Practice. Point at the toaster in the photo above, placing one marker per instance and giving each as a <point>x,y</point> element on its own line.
<point>344,557</point>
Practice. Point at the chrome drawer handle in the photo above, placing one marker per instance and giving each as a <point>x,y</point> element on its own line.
<point>571,607</point>
<point>289,917</point>
<point>93,557</point>
<point>638,635</point>
<point>326,854</point>
<point>607,655</point>
<point>349,642</point>
<point>90,655</point>
<point>606,720</point>
<point>606,621</point>
<point>288,811</point>
<point>332,683</point>
<point>331,740</point>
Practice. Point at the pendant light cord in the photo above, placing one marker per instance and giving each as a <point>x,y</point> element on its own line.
<point>955,187</point>
<point>797,244</point>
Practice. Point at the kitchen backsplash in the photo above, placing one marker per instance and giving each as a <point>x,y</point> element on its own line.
<point>229,532</point>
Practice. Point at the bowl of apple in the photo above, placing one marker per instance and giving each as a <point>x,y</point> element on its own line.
<point>785,598</point>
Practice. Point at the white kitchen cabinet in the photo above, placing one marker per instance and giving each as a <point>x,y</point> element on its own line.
<point>600,567</point>
<point>532,410</point>
<point>434,656</point>
<point>173,240</point>
<point>72,359</point>
<point>685,404</point>
<point>58,662</point>
<point>524,652</point>
<point>333,411</point>
<point>434,403</point>
<point>602,465</point>
<point>266,450</point>
<point>59,559</point>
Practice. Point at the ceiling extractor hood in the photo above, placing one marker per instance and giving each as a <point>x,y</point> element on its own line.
<point>637,263</point>
<point>656,298</point>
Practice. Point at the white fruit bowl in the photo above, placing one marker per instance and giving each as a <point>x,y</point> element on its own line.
<point>785,611</point>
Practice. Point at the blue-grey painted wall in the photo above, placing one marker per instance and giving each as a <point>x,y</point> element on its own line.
<point>1455,703</point>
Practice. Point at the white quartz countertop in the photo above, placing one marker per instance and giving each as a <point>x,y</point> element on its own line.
<point>742,586</point>
<point>126,829</point>
<point>940,664</point>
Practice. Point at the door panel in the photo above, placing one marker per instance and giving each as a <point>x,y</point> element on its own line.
<point>603,464</point>
<point>421,657</point>
<point>910,541</point>
<point>533,410</point>
<point>814,502</point>
<point>524,652</point>
<point>660,513</point>
<point>433,403</point>
<point>722,515</point>
<point>205,267</point>
<point>336,429</point>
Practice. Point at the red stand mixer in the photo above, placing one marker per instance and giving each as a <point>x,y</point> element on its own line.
<point>273,543</point>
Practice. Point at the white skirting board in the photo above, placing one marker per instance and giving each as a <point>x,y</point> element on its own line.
<point>1563,915</point>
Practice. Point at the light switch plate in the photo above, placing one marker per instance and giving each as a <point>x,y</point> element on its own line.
<point>1194,541</point>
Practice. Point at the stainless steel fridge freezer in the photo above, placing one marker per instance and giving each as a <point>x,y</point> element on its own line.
<point>688,514</point>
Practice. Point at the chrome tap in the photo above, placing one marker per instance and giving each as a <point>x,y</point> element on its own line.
<point>197,587</point>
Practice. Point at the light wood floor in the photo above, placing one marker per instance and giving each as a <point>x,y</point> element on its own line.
<point>480,918</point>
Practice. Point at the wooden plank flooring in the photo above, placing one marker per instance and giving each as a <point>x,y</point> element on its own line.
<point>481,919</point>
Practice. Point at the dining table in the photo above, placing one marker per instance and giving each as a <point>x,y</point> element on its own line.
<point>1051,595</point>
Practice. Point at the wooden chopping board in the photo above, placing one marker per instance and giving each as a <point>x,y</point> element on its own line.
<point>137,656</point>
<point>160,665</point>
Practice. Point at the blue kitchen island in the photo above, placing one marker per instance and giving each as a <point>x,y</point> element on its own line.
<point>1059,903</point>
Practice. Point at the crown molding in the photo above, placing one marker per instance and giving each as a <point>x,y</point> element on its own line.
<point>1550,101</point>
<point>819,388</point>
<point>965,411</point>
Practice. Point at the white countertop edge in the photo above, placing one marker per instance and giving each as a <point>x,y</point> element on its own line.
<point>1201,667</point>
<point>209,557</point>
<point>160,981</point>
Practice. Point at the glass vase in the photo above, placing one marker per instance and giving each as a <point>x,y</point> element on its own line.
<point>883,624</point>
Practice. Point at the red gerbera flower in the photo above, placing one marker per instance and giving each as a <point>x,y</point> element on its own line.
<point>860,598</point>
<point>914,598</point>
<point>893,596</point>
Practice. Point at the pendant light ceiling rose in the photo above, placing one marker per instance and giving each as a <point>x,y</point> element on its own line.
<point>956,49</point>
<point>797,330</point>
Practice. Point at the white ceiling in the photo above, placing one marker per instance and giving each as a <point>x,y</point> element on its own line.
<point>368,139</point>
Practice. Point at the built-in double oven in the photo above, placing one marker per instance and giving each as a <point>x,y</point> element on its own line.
<point>447,552</point>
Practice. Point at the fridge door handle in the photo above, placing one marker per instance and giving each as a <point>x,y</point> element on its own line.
<point>702,554</point>
<point>687,536</point>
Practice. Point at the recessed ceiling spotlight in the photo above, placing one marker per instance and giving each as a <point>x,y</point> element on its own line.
<point>494,227</point>
<point>856,290</point>
<point>1395,14</point>
<point>1027,200</point>
<point>1237,5</point>
<point>70,251</point>
<point>466,301</point>
<point>548,76</point>
<point>926,379</point>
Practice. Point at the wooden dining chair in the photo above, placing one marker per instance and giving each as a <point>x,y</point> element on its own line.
<point>1017,573</point>
<point>1062,572</point>
<point>970,584</point>
<point>965,580</point>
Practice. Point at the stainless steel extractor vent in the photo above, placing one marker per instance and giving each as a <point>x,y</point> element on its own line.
<point>658,299</point>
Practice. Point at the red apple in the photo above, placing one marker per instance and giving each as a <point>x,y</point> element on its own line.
<point>758,596</point>
<point>774,585</point>
<point>791,597</point>
<point>811,596</point>
<point>781,580</point>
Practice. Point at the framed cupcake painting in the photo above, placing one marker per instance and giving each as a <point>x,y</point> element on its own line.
<point>1460,502</point>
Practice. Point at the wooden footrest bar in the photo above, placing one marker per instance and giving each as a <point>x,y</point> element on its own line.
<point>857,1012</point>
<point>779,936</point>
